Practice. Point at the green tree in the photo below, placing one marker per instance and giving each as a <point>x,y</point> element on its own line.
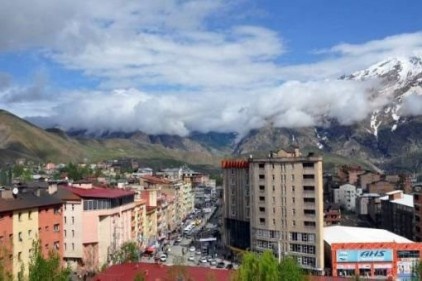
<point>265,267</point>
<point>128,252</point>
<point>290,270</point>
<point>46,268</point>
<point>417,271</point>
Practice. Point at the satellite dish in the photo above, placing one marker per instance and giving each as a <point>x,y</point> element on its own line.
<point>15,191</point>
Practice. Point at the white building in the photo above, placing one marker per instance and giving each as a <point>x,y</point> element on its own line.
<point>346,196</point>
<point>362,202</point>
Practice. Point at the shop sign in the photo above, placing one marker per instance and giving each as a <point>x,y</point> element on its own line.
<point>364,255</point>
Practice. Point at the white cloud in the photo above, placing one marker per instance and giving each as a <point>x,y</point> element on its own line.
<point>346,58</point>
<point>293,104</point>
<point>180,70</point>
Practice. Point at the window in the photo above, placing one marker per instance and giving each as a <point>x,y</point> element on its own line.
<point>73,246</point>
<point>262,220</point>
<point>46,228</point>
<point>261,198</point>
<point>73,207</point>
<point>20,216</point>
<point>309,200</point>
<point>46,246</point>
<point>29,233</point>
<point>1,239</point>
<point>30,215</point>
<point>293,177</point>
<point>308,177</point>
<point>309,223</point>
<point>73,233</point>
<point>73,220</point>
<point>56,228</point>
<point>261,177</point>
<point>308,165</point>
<point>261,165</point>
<point>262,209</point>
<point>65,246</point>
<point>262,188</point>
<point>20,256</point>
<point>56,245</point>
<point>309,212</point>
<point>65,219</point>
<point>65,233</point>
<point>308,188</point>
<point>20,236</point>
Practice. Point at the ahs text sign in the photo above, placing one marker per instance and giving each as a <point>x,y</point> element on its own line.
<point>364,255</point>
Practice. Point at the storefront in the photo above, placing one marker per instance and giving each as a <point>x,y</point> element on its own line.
<point>395,258</point>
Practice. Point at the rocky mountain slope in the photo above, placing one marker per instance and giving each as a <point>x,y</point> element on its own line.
<point>385,138</point>
<point>20,139</point>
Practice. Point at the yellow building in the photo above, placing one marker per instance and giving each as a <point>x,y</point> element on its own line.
<point>151,224</point>
<point>25,230</point>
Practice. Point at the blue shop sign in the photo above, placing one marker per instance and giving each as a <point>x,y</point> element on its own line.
<point>364,255</point>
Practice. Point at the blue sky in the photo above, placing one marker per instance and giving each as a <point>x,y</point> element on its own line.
<point>164,63</point>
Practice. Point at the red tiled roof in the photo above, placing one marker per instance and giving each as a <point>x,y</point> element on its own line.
<point>159,272</point>
<point>151,208</point>
<point>98,192</point>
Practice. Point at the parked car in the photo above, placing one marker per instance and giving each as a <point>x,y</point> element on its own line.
<point>191,258</point>
<point>179,239</point>
<point>229,266</point>
<point>192,249</point>
<point>203,260</point>
<point>213,262</point>
<point>198,253</point>
<point>163,258</point>
<point>221,265</point>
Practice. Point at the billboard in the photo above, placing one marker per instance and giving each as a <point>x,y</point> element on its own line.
<point>364,255</point>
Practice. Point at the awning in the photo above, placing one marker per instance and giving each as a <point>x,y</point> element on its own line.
<point>150,249</point>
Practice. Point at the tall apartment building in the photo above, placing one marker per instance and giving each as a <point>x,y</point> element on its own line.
<point>397,211</point>
<point>285,208</point>
<point>236,203</point>
<point>417,201</point>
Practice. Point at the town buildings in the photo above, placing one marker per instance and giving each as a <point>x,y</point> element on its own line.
<point>285,208</point>
<point>24,219</point>
<point>397,211</point>
<point>346,196</point>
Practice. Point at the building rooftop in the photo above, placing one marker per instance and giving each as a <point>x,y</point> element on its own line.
<point>28,200</point>
<point>349,234</point>
<point>99,192</point>
<point>159,272</point>
<point>406,200</point>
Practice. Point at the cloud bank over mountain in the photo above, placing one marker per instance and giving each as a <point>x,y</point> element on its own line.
<point>169,66</point>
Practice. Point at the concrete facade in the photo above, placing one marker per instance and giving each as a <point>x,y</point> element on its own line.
<point>346,196</point>
<point>287,207</point>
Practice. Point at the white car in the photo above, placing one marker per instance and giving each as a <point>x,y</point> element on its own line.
<point>191,258</point>
<point>192,249</point>
<point>213,262</point>
<point>198,253</point>
<point>203,260</point>
<point>179,239</point>
<point>163,258</point>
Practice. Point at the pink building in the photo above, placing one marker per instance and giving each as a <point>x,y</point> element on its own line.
<point>106,222</point>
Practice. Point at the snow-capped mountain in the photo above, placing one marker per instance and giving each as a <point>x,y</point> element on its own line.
<point>387,137</point>
<point>399,78</point>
